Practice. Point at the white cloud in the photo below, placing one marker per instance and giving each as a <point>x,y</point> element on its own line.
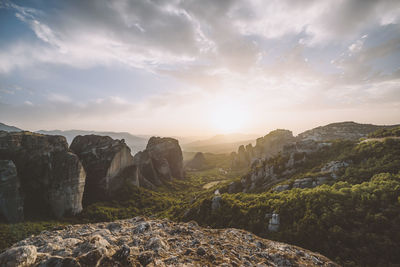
<point>58,98</point>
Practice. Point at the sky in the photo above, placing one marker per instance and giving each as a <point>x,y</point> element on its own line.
<point>190,67</point>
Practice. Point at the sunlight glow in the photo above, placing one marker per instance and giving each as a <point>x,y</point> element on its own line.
<point>228,118</point>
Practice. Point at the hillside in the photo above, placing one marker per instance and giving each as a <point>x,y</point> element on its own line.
<point>342,130</point>
<point>337,200</point>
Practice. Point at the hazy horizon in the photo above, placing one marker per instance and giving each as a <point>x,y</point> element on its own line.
<point>191,68</point>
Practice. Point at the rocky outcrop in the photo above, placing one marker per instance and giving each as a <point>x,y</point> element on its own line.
<point>274,221</point>
<point>266,147</point>
<point>168,149</point>
<point>52,178</point>
<point>198,163</point>
<point>11,202</point>
<point>142,242</point>
<point>104,159</point>
<point>161,161</point>
<point>333,168</point>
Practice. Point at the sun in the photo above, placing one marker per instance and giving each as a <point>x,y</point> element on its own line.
<point>228,118</point>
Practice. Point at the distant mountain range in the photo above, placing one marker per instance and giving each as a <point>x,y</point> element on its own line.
<point>8,128</point>
<point>220,143</point>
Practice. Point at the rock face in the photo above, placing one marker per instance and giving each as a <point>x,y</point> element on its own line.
<point>52,178</point>
<point>142,242</point>
<point>266,147</point>
<point>161,161</point>
<point>11,202</point>
<point>274,221</point>
<point>197,163</point>
<point>168,149</point>
<point>103,159</point>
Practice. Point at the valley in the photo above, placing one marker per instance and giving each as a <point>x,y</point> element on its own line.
<point>336,197</point>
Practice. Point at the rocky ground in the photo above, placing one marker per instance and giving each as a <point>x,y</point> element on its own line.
<point>143,242</point>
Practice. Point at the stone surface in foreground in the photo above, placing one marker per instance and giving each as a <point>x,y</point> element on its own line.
<point>142,242</point>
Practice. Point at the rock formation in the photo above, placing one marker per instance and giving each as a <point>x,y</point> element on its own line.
<point>103,159</point>
<point>161,161</point>
<point>274,221</point>
<point>198,163</point>
<point>142,242</point>
<point>11,202</point>
<point>169,149</point>
<point>308,141</point>
<point>266,147</point>
<point>52,178</point>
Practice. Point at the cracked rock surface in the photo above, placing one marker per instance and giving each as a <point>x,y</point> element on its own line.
<point>143,242</point>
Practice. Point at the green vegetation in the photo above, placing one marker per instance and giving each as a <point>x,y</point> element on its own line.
<point>385,133</point>
<point>352,224</point>
<point>355,220</point>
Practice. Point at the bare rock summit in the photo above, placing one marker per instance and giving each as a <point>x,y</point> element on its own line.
<point>143,242</point>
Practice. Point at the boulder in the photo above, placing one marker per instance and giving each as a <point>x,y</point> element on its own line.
<point>11,202</point>
<point>303,183</point>
<point>52,178</point>
<point>104,159</point>
<point>280,188</point>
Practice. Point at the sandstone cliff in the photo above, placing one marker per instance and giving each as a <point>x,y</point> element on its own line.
<point>142,242</point>
<point>103,159</point>
<point>51,178</point>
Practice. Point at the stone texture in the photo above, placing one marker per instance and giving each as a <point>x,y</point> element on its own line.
<point>20,256</point>
<point>11,202</point>
<point>158,243</point>
<point>52,178</point>
<point>103,159</point>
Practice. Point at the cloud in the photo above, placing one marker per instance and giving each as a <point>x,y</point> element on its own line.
<point>58,98</point>
<point>262,56</point>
